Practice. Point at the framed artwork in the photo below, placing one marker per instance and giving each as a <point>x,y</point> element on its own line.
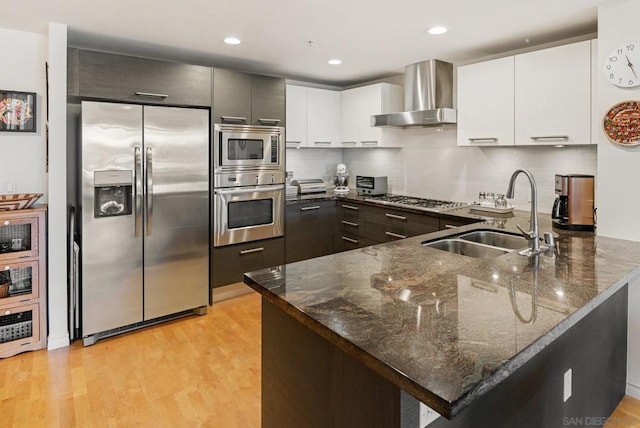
<point>17,111</point>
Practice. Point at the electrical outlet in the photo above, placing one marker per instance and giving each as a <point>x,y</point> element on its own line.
<point>427,415</point>
<point>567,385</point>
<point>7,186</point>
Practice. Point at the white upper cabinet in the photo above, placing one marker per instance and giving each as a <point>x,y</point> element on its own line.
<point>486,103</point>
<point>553,95</point>
<point>323,118</point>
<point>313,117</point>
<point>296,106</point>
<point>357,105</point>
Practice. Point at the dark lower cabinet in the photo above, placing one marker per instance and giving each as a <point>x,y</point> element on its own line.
<point>384,225</point>
<point>310,230</point>
<point>229,263</point>
<point>450,222</point>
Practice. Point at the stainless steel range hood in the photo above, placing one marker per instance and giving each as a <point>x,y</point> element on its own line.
<point>428,97</point>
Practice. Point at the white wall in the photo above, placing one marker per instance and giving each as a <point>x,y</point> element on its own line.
<point>23,154</point>
<point>430,164</point>
<point>314,163</point>
<point>619,167</point>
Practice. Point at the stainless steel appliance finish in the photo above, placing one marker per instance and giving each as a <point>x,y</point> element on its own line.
<point>311,185</point>
<point>431,205</point>
<point>372,186</point>
<point>150,258</point>
<point>573,208</point>
<point>247,213</point>
<point>428,97</point>
<point>247,147</point>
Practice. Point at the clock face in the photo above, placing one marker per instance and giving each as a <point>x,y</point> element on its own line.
<point>622,66</point>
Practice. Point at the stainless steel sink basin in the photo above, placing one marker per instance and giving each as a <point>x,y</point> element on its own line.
<point>496,239</point>
<point>466,248</point>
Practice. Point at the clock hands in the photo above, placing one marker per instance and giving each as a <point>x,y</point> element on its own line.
<point>631,66</point>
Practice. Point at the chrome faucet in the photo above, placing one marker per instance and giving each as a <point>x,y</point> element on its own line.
<point>533,235</point>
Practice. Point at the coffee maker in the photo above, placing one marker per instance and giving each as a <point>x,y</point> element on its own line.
<point>573,208</point>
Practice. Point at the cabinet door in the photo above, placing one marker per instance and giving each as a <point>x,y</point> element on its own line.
<point>141,80</point>
<point>553,95</point>
<point>24,281</point>
<point>18,236</point>
<point>19,329</point>
<point>358,105</point>
<point>296,116</point>
<point>323,118</point>
<point>231,97</point>
<point>310,230</point>
<point>231,262</point>
<point>486,103</point>
<point>267,101</point>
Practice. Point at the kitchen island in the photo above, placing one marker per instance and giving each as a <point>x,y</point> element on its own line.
<point>361,338</point>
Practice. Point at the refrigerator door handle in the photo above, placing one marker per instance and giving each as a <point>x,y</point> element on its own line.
<point>137,158</point>
<point>149,199</point>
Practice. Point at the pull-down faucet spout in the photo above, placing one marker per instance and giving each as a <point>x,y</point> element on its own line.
<point>534,234</point>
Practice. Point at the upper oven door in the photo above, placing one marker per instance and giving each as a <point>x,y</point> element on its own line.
<point>243,147</point>
<point>245,214</point>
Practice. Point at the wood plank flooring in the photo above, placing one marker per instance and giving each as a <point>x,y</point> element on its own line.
<point>194,372</point>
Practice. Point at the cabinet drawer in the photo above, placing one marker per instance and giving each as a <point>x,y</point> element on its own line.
<point>310,230</point>
<point>18,237</point>
<point>231,262</point>
<point>384,225</point>
<point>23,279</point>
<point>142,80</point>
<point>19,328</point>
<point>350,211</point>
<point>449,222</point>
<point>351,242</point>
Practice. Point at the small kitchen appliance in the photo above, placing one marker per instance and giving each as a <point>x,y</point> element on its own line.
<point>371,186</point>
<point>341,180</point>
<point>310,185</point>
<point>573,208</point>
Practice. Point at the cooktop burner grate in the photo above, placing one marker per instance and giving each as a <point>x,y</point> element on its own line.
<point>415,202</point>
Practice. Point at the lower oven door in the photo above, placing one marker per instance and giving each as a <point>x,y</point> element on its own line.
<point>244,214</point>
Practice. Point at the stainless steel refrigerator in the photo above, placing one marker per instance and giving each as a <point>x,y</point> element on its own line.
<point>145,215</point>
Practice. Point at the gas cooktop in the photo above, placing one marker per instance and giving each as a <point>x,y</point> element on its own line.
<point>433,205</point>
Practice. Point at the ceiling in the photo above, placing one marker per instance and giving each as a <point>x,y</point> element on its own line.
<point>373,38</point>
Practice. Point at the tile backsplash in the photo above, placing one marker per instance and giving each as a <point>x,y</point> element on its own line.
<point>430,164</point>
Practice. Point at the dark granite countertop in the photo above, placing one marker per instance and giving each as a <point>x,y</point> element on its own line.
<point>447,328</point>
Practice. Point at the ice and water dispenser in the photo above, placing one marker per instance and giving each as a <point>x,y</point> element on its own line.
<point>112,193</point>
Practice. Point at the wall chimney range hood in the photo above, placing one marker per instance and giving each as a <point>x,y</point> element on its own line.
<point>428,97</point>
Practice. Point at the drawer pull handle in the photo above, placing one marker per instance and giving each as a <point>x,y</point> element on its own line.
<point>7,312</point>
<point>484,140</point>
<point>322,142</point>
<point>450,226</point>
<point>349,142</point>
<point>6,222</point>
<point>233,119</point>
<point>151,94</point>
<point>348,223</point>
<point>551,137</point>
<point>315,207</point>
<point>269,121</point>
<point>370,143</point>
<point>350,207</point>
<point>7,268</point>
<point>252,250</point>
<point>353,241</point>
<point>396,217</point>
<point>395,235</point>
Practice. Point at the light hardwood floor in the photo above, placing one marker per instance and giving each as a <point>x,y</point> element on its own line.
<point>198,371</point>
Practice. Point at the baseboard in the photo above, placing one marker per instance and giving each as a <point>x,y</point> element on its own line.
<point>633,390</point>
<point>56,343</point>
<point>230,291</point>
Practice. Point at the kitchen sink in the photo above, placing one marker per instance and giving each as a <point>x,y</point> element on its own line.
<point>496,239</point>
<point>467,248</point>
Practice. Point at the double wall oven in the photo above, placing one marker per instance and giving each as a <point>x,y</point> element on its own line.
<point>248,183</point>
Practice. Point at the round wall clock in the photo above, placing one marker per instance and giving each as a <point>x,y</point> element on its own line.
<point>622,66</point>
<point>622,123</point>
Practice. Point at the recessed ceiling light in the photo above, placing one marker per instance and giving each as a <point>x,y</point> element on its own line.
<point>232,41</point>
<point>437,30</point>
<point>335,62</point>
